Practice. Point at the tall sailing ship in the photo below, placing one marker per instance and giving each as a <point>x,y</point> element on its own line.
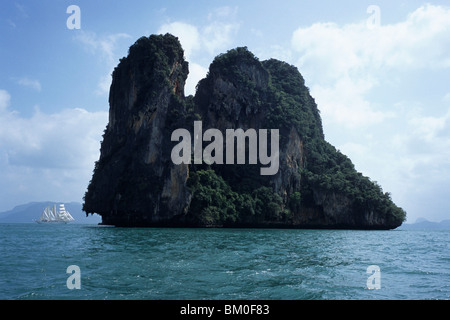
<point>52,214</point>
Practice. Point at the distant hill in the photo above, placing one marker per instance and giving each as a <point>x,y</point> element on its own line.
<point>422,223</point>
<point>27,213</point>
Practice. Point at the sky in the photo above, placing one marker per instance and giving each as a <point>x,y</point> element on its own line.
<point>378,70</point>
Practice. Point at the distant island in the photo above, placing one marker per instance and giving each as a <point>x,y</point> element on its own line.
<point>29,212</point>
<point>424,224</point>
<point>148,175</point>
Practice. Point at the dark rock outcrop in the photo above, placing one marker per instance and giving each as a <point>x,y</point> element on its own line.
<point>136,183</point>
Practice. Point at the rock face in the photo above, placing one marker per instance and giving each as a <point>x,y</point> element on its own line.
<point>137,183</point>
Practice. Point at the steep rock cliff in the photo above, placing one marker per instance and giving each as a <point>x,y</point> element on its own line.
<point>136,183</point>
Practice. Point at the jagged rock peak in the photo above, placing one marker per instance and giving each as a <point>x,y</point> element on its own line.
<point>137,183</point>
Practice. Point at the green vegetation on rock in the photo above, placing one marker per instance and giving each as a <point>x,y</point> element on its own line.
<point>135,183</point>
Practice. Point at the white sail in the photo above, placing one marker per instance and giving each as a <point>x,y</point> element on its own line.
<point>64,214</point>
<point>55,214</point>
<point>46,214</point>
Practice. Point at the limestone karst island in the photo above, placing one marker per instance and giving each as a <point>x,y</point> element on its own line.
<point>248,150</point>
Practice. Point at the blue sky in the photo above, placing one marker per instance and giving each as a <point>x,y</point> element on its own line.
<point>382,85</point>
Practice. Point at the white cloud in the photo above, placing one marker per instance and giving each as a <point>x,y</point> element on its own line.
<point>344,103</point>
<point>276,52</point>
<point>5,99</point>
<point>191,42</point>
<point>104,84</point>
<point>358,75</point>
<point>103,45</point>
<point>30,83</point>
<point>105,48</point>
<point>196,73</point>
<point>217,35</point>
<point>187,34</point>
<point>11,23</point>
<point>411,161</point>
<point>221,29</point>
<point>47,156</point>
<point>23,10</point>
<point>62,139</point>
<point>422,40</point>
<point>421,164</point>
<point>225,12</point>
<point>446,98</point>
<point>427,137</point>
<point>335,58</point>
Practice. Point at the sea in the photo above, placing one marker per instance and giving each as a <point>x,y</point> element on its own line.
<point>92,262</point>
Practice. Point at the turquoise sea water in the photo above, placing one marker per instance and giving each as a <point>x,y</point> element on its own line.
<point>122,263</point>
